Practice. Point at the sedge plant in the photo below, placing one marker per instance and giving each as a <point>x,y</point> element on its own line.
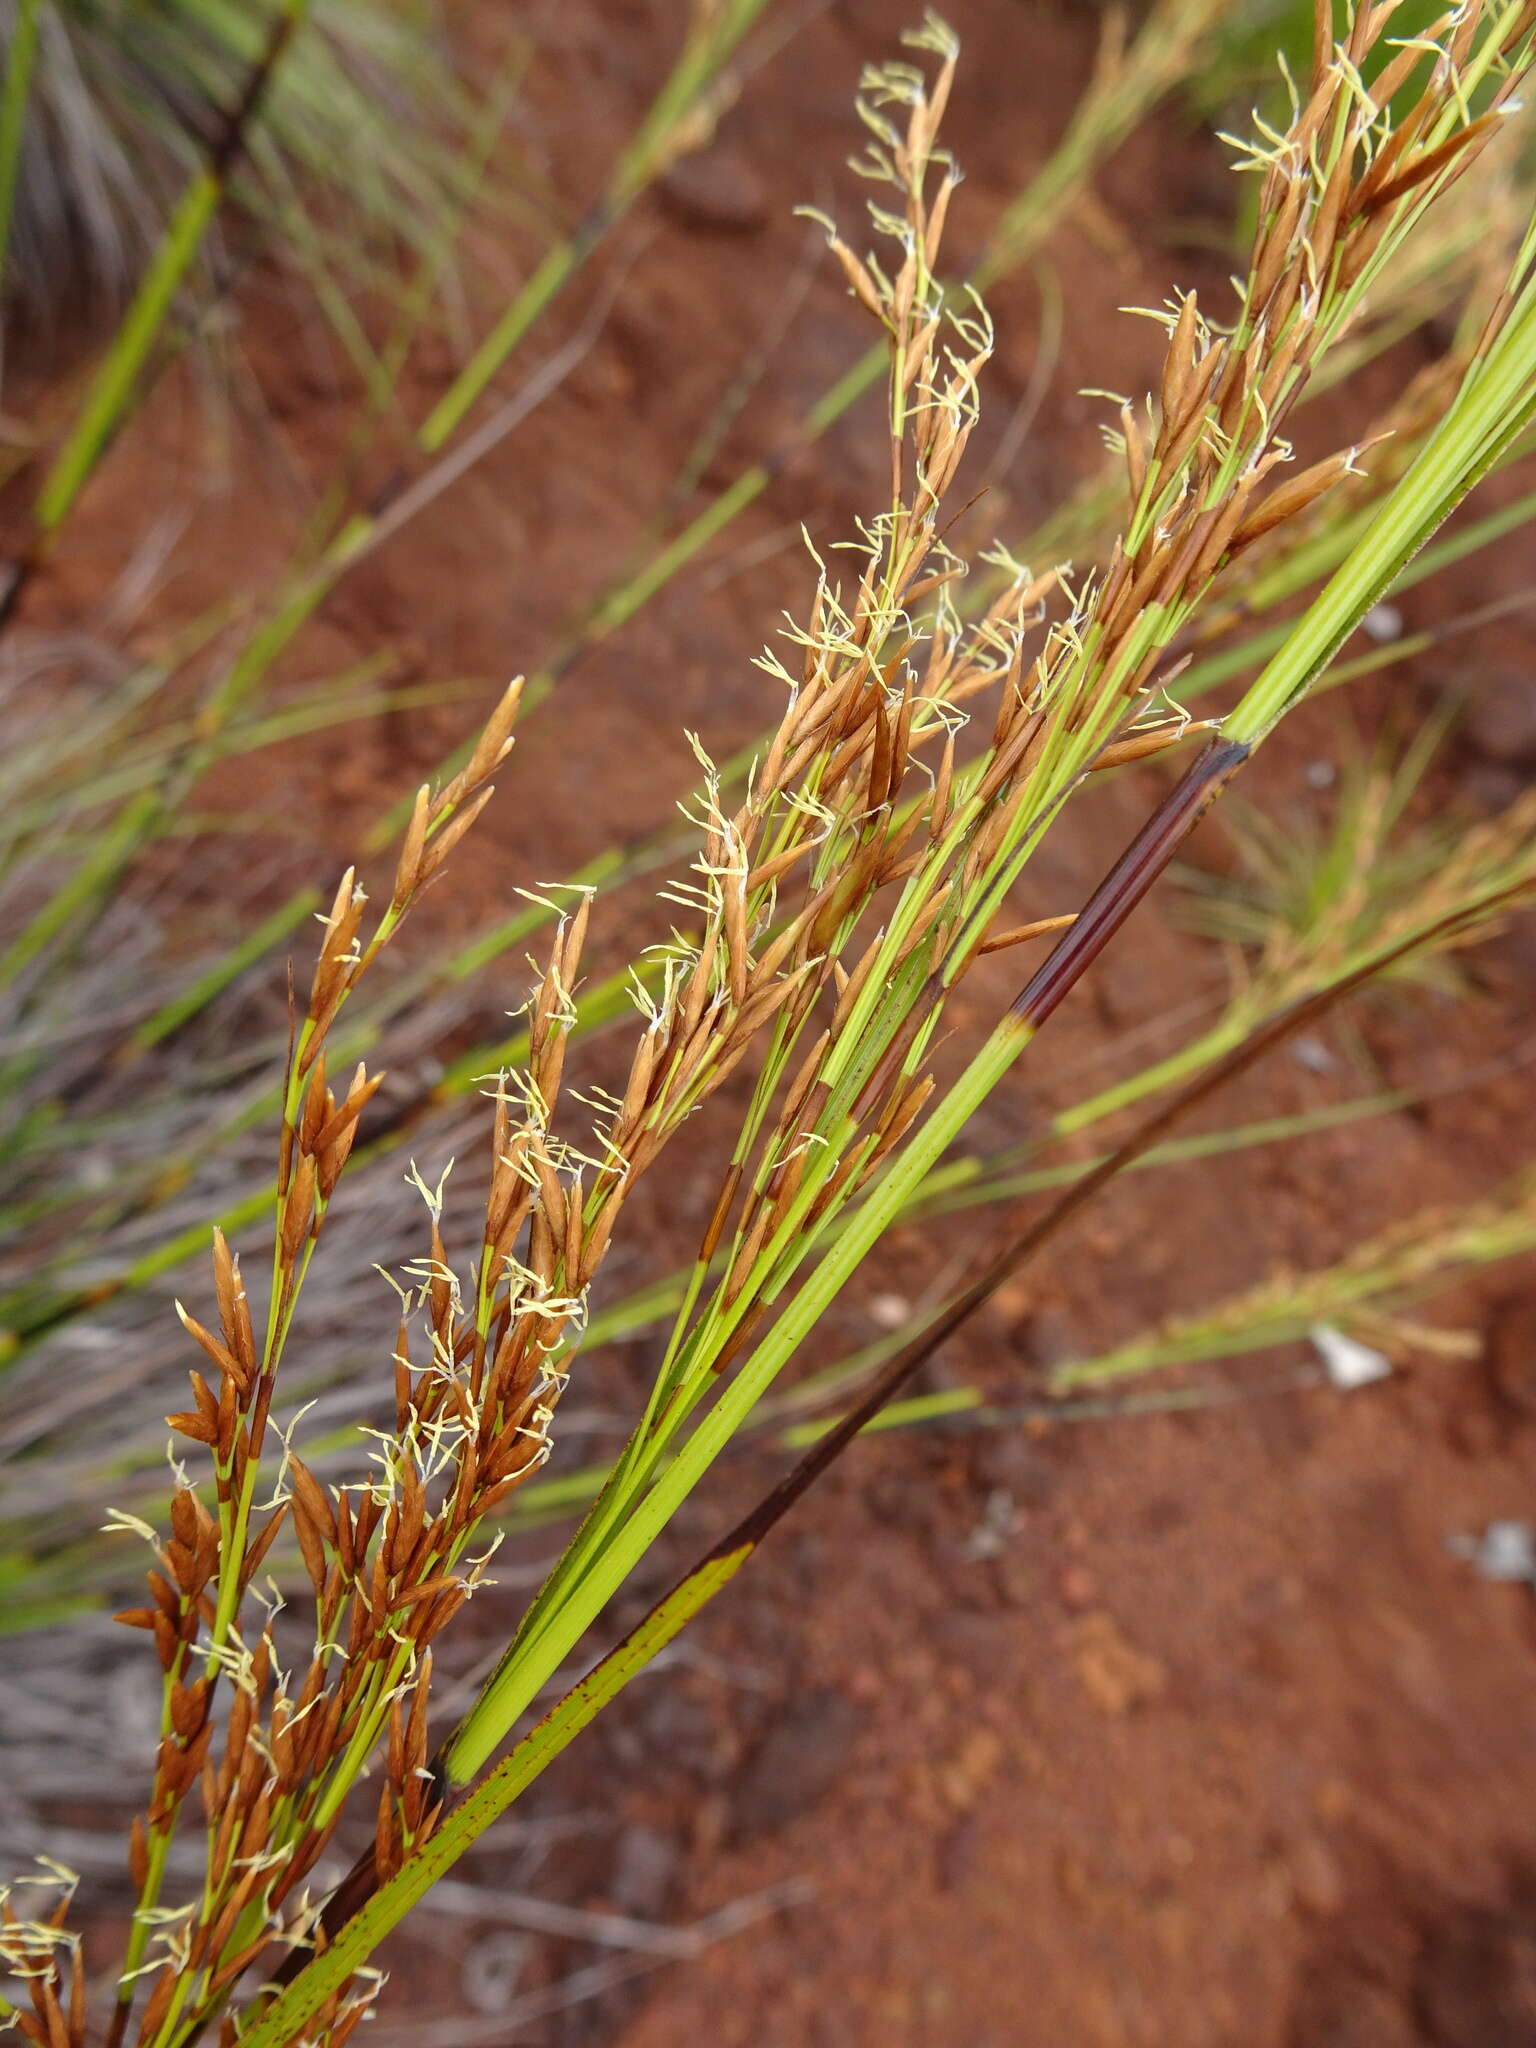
<point>834,910</point>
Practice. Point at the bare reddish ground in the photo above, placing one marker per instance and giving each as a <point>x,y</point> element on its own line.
<point>1176,1729</point>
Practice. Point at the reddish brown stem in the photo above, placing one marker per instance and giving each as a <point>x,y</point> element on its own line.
<point>1129,879</point>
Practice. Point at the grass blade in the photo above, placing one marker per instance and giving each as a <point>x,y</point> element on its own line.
<point>111,393</point>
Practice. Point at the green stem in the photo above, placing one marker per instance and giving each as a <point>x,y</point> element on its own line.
<point>328,1972</point>
<point>20,59</point>
<point>112,391</point>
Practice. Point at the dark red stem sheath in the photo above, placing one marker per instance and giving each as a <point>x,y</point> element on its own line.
<point>1129,879</point>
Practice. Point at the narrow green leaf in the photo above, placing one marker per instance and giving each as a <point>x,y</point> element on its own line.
<point>112,391</point>
<point>20,59</point>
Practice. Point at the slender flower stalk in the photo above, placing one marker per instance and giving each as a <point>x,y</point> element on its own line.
<point>205,1573</point>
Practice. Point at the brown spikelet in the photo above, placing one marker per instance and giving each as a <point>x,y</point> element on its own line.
<point>1294,496</point>
<point>46,2001</point>
<point>551,1193</point>
<point>412,847</point>
<point>344,1543</point>
<point>411,1519</point>
<point>188,1423</point>
<point>138,1852</point>
<point>739,960</point>
<point>1021,934</point>
<point>332,965</point>
<point>334,1140</point>
<point>442,845</point>
<point>316,1503</point>
<point>220,1354</point>
<point>492,748</point>
<point>159,2005</point>
<point>600,1231</point>
<point>448,1603</point>
<point>317,1106</point>
<point>234,1309</point>
<point>257,1549</point>
<point>311,1546</point>
<point>298,1211</point>
<point>228,1423</point>
<point>860,283</point>
<point>185,1523</point>
<point>206,1399</point>
<point>1146,745</point>
<point>428,1589</point>
<point>1464,145</point>
<point>188,1705</point>
<point>1178,363</point>
<point>181,1560</point>
<point>237,1965</point>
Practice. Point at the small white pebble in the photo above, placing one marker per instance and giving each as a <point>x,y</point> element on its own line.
<point>890,1311</point>
<point>1321,775</point>
<point>1383,622</point>
<point>1312,1054</point>
<point>492,1967</point>
<point>1506,1551</point>
<point>1350,1364</point>
<point>1000,1522</point>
